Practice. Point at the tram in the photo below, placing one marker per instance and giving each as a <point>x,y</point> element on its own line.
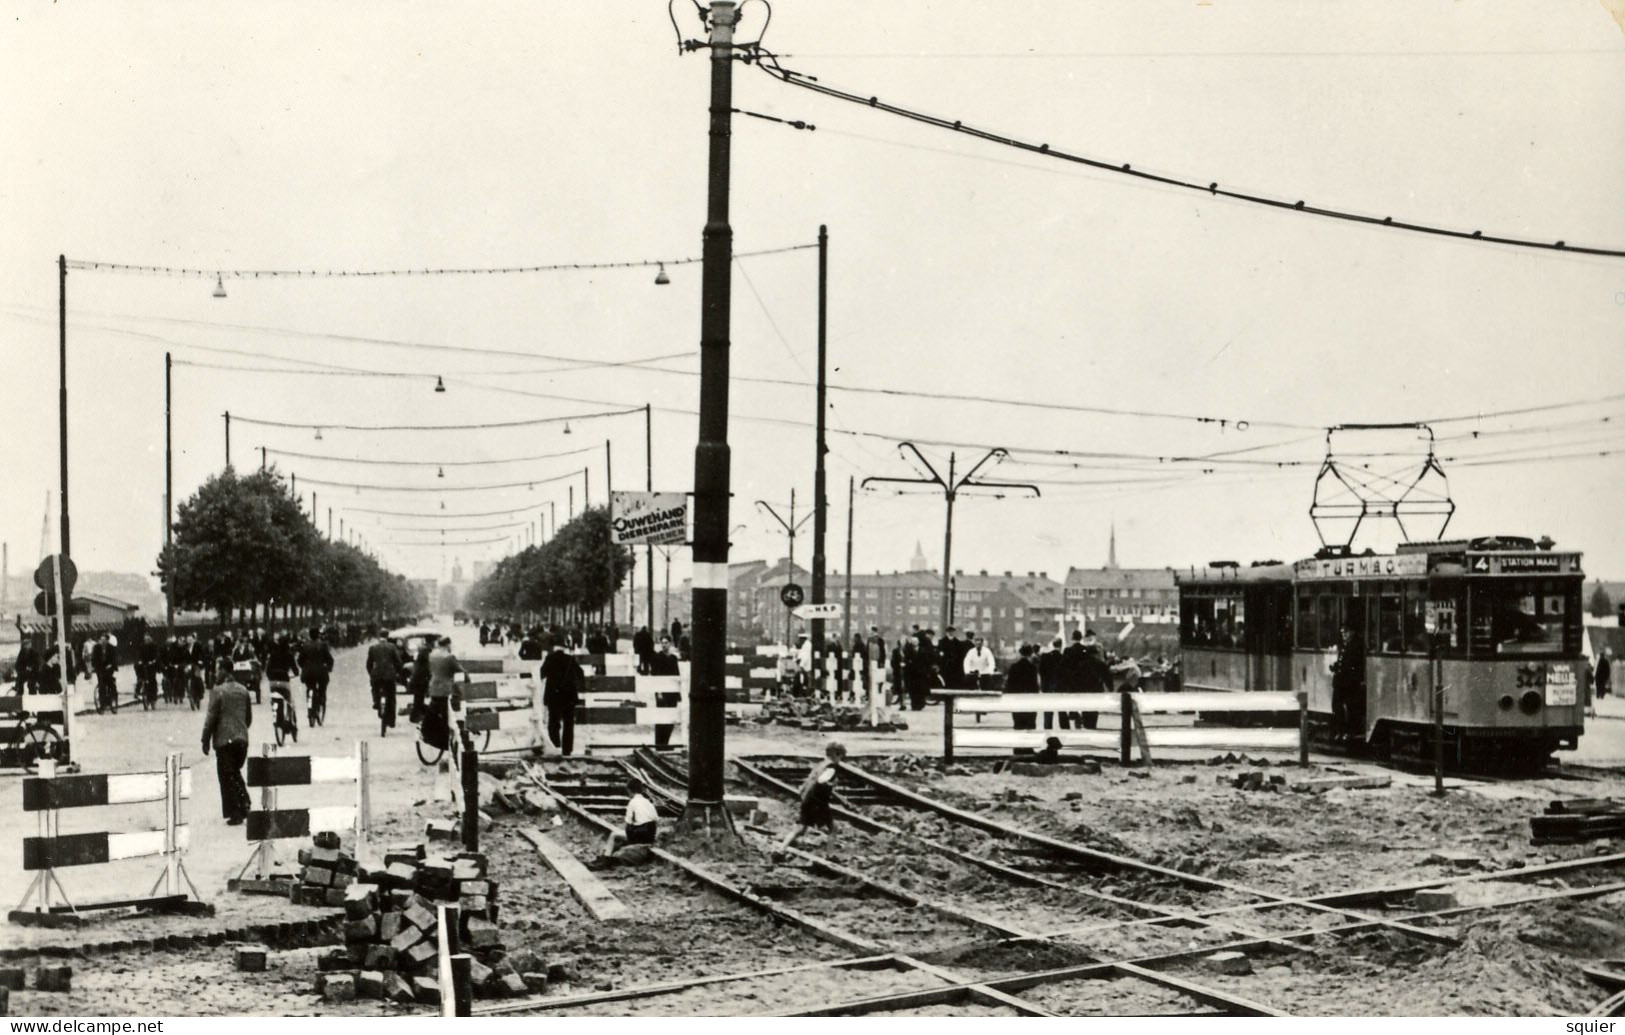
<point>1496,621</point>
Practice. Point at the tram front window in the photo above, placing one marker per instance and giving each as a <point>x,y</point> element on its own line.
<point>1524,616</point>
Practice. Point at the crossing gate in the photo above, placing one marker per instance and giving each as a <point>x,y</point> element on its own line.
<point>1131,732</point>
<point>33,728</point>
<point>48,795</point>
<point>268,823</point>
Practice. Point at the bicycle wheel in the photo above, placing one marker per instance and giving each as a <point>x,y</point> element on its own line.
<point>484,743</point>
<point>39,744</point>
<point>318,709</point>
<point>427,753</point>
<point>280,731</point>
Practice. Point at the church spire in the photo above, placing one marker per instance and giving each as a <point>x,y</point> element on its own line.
<point>1111,548</point>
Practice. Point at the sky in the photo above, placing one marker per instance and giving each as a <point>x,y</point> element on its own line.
<point>380,136</point>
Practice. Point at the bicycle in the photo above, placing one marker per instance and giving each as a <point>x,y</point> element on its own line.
<point>194,689</point>
<point>106,693</point>
<point>281,724</point>
<point>316,697</point>
<point>146,687</point>
<point>428,754</point>
<point>38,741</point>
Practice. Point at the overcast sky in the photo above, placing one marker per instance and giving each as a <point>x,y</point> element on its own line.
<point>372,135</point>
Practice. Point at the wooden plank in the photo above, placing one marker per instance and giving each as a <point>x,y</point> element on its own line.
<point>584,884</point>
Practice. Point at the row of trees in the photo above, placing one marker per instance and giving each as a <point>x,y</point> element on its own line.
<point>575,573</point>
<point>244,542</point>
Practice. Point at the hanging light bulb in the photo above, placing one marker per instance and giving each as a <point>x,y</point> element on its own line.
<point>566,427</point>
<point>439,383</point>
<point>661,278</point>
<point>442,504</point>
<point>318,434</point>
<point>442,473</point>
<point>530,488</point>
<point>219,287</point>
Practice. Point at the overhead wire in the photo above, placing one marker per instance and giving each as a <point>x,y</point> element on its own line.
<point>526,484</point>
<point>769,63</point>
<point>431,463</point>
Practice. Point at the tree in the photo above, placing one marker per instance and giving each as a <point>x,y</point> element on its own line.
<point>578,568</point>
<point>1601,604</point>
<point>243,541</point>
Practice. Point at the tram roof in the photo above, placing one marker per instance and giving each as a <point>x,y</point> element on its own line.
<point>1230,575</point>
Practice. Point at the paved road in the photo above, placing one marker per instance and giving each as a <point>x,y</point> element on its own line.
<point>136,741</point>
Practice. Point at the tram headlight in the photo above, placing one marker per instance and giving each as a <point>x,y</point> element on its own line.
<point>1506,702</point>
<point>1530,702</point>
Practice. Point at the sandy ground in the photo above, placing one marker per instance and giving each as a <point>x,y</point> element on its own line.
<point>1182,814</point>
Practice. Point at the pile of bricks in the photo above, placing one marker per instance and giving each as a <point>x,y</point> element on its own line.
<point>55,977</point>
<point>392,931</point>
<point>325,871</point>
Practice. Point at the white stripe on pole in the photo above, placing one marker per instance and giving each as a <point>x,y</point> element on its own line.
<point>1239,701</point>
<point>334,770</point>
<point>1108,703</point>
<point>709,575</point>
<point>186,782</point>
<point>332,817</point>
<point>34,704</point>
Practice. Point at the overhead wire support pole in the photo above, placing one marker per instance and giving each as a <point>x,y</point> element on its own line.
<point>169,492</point>
<point>792,527</point>
<point>815,631</point>
<point>712,478</point>
<point>649,487</point>
<point>66,545</point>
<point>951,487</point>
<point>228,437</point>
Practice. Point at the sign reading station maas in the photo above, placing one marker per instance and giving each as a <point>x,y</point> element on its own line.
<point>653,518</point>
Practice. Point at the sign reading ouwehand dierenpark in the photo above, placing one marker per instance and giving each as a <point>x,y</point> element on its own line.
<point>653,518</point>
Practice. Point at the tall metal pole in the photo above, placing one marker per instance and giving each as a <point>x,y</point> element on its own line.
<point>586,489</point>
<point>846,612</point>
<point>329,523</point>
<point>820,500</point>
<point>948,551</point>
<point>262,458</point>
<point>649,486</point>
<point>169,493</point>
<point>712,460</point>
<point>570,507</point>
<point>62,420</point>
<point>313,510</point>
<point>228,438</point>
<point>609,498</point>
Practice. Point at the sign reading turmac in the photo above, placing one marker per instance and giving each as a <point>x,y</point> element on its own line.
<point>655,518</point>
<point>1376,566</point>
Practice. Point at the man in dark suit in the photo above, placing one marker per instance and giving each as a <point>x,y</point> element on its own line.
<point>225,729</point>
<point>643,645</point>
<point>562,682</point>
<point>1074,677</point>
<point>384,671</point>
<point>1023,679</point>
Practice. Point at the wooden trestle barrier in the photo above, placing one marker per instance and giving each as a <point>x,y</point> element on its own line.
<point>47,795</point>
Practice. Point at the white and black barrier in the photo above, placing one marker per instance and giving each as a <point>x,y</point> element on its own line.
<point>268,823</point>
<point>48,795</point>
<point>1129,707</point>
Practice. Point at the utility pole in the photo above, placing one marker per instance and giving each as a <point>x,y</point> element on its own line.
<point>951,488</point>
<point>228,438</point>
<point>846,612</point>
<point>586,489</point>
<point>262,458</point>
<point>820,498</point>
<point>62,419</point>
<point>330,524</point>
<point>609,497</point>
<point>712,460</point>
<point>169,494</point>
<point>313,510</point>
<point>570,509</point>
<point>791,527</point>
<point>649,486</point>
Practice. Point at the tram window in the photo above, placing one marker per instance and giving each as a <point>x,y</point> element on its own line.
<point>1525,616</point>
<point>1229,622</point>
<point>1329,620</point>
<point>1416,618</point>
<point>1306,622</point>
<point>1196,621</point>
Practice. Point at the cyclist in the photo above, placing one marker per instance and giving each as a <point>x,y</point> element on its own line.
<point>175,655</point>
<point>246,666</point>
<point>315,668</point>
<point>280,668</point>
<point>384,671</point>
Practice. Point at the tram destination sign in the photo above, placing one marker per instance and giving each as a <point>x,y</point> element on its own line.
<point>1524,564</point>
<point>1376,566</point>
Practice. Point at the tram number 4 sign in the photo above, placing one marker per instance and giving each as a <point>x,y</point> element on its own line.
<point>792,595</point>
